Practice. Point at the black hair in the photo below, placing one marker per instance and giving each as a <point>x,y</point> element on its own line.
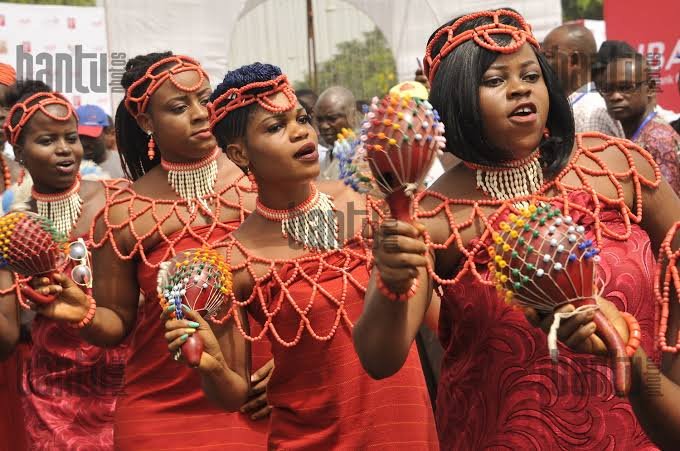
<point>131,140</point>
<point>233,125</point>
<point>20,91</point>
<point>455,95</point>
<point>306,92</point>
<point>611,51</point>
<point>94,148</point>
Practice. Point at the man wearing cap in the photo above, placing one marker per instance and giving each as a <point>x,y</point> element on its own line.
<point>92,121</point>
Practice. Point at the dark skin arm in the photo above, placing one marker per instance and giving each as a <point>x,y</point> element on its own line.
<point>386,329</point>
<point>9,317</point>
<point>257,406</point>
<point>223,366</point>
<point>115,289</point>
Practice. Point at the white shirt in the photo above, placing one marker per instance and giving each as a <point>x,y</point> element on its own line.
<point>590,112</point>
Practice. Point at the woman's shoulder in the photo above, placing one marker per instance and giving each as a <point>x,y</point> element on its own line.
<point>616,157</point>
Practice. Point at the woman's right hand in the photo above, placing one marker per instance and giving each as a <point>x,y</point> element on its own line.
<point>177,332</point>
<point>71,304</point>
<point>399,252</point>
<point>578,331</point>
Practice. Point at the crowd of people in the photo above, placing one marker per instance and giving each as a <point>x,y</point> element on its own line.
<point>314,344</point>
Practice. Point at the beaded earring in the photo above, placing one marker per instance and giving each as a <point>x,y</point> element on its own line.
<point>251,178</point>
<point>151,152</point>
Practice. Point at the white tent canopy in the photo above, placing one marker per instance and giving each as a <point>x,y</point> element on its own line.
<point>204,28</point>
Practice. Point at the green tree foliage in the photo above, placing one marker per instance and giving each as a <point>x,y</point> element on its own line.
<point>53,2</point>
<point>582,9</point>
<point>364,66</point>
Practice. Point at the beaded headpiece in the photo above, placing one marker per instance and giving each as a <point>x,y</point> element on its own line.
<point>178,64</point>
<point>26,109</point>
<point>239,97</point>
<point>481,35</point>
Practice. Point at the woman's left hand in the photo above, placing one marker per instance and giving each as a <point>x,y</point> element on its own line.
<point>257,405</point>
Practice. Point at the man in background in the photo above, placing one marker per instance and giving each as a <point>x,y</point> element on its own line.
<point>571,51</point>
<point>334,110</point>
<point>622,77</point>
<point>92,120</point>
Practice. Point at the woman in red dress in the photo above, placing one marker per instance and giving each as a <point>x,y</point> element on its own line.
<point>508,120</point>
<point>303,283</point>
<point>185,194</point>
<point>67,386</point>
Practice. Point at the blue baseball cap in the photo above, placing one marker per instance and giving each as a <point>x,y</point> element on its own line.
<point>91,120</point>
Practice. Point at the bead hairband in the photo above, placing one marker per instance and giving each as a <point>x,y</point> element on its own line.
<point>239,97</point>
<point>138,105</point>
<point>38,102</point>
<point>481,35</point>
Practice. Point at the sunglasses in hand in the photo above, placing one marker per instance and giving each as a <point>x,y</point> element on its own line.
<point>82,272</point>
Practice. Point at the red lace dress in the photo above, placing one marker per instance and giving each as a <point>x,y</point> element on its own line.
<point>499,388</point>
<point>162,404</point>
<point>321,396</point>
<point>68,386</point>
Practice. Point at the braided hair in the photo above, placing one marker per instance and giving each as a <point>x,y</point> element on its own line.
<point>233,126</point>
<point>130,138</point>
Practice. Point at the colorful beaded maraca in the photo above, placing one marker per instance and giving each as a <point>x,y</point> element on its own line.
<point>30,245</point>
<point>401,137</point>
<point>199,279</point>
<point>542,260</point>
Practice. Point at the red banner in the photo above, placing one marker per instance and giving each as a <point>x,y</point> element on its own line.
<point>652,28</point>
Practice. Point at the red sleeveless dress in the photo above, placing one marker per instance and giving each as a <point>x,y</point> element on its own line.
<point>499,388</point>
<point>321,396</point>
<point>162,405</point>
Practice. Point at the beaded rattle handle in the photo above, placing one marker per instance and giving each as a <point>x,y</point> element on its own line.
<point>192,349</point>
<point>36,297</point>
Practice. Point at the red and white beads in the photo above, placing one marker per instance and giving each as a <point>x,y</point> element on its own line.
<point>63,209</point>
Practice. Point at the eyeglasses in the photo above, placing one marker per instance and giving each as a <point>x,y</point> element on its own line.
<point>623,88</point>
<point>81,273</point>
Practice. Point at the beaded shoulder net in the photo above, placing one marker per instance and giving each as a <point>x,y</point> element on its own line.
<point>667,286</point>
<point>171,220</point>
<point>585,164</point>
<point>310,270</point>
